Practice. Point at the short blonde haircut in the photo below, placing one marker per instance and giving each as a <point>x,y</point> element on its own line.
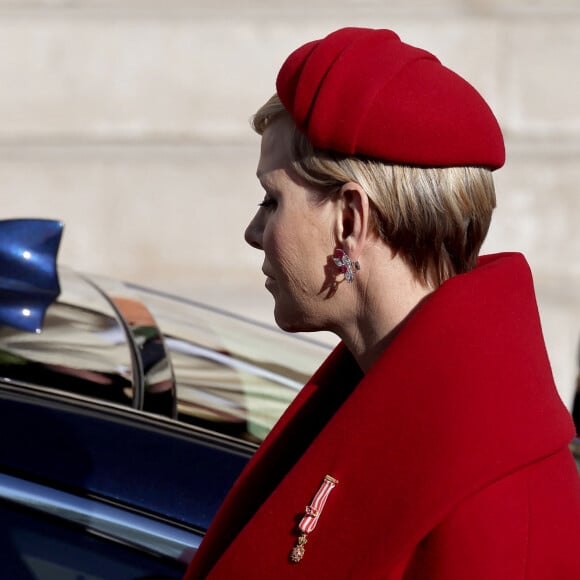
<point>435,217</point>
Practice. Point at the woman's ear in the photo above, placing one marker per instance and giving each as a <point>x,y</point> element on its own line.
<point>353,218</point>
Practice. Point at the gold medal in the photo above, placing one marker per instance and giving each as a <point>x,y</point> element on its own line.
<point>297,552</point>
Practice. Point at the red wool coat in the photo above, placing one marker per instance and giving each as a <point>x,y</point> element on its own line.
<point>450,454</point>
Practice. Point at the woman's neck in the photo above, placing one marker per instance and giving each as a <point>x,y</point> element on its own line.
<point>380,305</point>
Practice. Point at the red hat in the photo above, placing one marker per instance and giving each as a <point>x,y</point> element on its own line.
<point>363,91</point>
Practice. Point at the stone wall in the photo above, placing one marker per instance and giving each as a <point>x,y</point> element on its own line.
<point>127,119</point>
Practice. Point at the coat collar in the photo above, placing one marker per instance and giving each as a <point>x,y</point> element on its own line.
<point>462,395</point>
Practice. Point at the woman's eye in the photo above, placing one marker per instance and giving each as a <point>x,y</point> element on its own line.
<point>267,202</point>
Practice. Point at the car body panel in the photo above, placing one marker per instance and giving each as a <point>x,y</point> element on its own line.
<point>144,533</point>
<point>119,455</point>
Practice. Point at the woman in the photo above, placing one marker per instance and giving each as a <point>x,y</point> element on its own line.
<point>431,444</point>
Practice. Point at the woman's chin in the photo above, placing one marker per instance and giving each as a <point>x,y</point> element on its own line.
<point>286,325</point>
<point>294,322</point>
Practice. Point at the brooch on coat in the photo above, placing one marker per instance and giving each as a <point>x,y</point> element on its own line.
<point>311,516</point>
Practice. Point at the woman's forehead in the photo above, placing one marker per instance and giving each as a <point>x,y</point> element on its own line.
<point>276,147</point>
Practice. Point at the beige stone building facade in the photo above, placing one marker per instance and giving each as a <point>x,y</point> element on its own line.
<point>128,120</point>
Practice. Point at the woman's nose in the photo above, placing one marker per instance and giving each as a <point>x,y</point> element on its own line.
<point>253,233</point>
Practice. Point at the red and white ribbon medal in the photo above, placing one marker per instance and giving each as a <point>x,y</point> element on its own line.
<point>311,516</point>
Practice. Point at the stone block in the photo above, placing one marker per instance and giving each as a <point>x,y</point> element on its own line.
<point>141,213</point>
<point>102,79</point>
<point>541,77</point>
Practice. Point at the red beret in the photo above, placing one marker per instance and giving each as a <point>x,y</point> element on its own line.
<point>363,91</point>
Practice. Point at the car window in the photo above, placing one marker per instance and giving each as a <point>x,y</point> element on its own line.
<point>161,354</point>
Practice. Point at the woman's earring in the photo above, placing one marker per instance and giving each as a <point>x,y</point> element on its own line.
<point>346,265</point>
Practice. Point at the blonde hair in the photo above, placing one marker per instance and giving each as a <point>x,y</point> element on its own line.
<point>435,217</point>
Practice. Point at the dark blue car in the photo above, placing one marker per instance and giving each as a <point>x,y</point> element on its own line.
<point>125,414</point>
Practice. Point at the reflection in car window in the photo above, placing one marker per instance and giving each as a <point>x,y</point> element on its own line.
<point>232,376</point>
<point>158,382</point>
<point>82,347</point>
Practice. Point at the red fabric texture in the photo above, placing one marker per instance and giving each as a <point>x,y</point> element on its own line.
<point>451,455</point>
<point>363,91</point>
